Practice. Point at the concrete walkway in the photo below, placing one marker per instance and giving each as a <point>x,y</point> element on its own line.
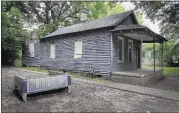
<point>140,89</point>
<point>133,88</point>
<point>144,90</point>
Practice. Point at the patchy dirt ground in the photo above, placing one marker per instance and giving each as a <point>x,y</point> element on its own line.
<point>85,97</point>
<point>169,83</point>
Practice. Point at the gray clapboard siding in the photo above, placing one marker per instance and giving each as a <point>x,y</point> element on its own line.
<point>98,51</point>
<point>126,65</point>
<point>129,20</point>
<point>95,51</point>
<point>31,61</point>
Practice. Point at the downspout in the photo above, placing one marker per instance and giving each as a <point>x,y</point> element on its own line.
<point>162,58</point>
<point>111,55</point>
<point>97,56</point>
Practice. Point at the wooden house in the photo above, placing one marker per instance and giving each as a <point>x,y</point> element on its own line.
<point>105,46</point>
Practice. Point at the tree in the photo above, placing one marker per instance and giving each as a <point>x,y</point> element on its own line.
<point>97,10</point>
<point>13,35</point>
<point>168,16</point>
<point>49,15</point>
<point>169,50</point>
<point>165,12</point>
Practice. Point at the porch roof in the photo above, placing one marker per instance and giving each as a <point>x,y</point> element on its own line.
<point>138,32</point>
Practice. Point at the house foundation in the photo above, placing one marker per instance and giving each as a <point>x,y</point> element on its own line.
<point>137,77</point>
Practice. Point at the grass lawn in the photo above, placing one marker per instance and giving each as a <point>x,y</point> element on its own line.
<point>168,71</point>
<point>34,69</point>
<point>171,71</point>
<point>73,75</point>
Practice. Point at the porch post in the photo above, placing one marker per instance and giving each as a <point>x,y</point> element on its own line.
<point>162,57</point>
<point>141,53</point>
<point>154,54</point>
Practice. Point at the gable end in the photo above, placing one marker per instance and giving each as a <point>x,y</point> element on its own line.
<point>130,19</point>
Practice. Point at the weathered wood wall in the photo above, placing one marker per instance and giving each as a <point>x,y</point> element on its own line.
<point>129,20</point>
<point>31,61</point>
<point>98,52</point>
<point>95,51</point>
<point>126,65</point>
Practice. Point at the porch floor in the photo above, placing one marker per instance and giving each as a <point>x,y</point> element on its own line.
<point>136,73</point>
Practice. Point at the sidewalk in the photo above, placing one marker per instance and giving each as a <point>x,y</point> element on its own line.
<point>140,89</point>
<point>144,90</point>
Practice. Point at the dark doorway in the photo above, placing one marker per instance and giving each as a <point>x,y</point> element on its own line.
<point>138,56</point>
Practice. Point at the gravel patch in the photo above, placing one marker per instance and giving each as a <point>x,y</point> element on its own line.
<point>84,97</point>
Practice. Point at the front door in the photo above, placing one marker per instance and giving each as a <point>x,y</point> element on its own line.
<point>138,56</point>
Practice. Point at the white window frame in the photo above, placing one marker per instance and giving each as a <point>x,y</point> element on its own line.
<point>120,61</point>
<point>52,50</point>
<point>129,40</point>
<point>78,49</point>
<point>32,49</point>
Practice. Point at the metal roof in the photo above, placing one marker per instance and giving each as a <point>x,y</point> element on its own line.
<point>93,24</point>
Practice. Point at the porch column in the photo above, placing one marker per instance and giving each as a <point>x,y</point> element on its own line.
<point>141,41</point>
<point>162,58</point>
<point>154,54</point>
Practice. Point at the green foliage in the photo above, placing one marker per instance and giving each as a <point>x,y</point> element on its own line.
<point>169,50</point>
<point>139,17</point>
<point>49,15</point>
<point>165,12</point>
<point>171,71</point>
<point>97,10</point>
<point>167,71</point>
<point>35,69</point>
<point>13,35</point>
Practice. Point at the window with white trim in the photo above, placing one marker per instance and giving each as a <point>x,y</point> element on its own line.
<point>31,49</point>
<point>130,50</point>
<point>78,49</point>
<point>120,49</point>
<point>52,50</point>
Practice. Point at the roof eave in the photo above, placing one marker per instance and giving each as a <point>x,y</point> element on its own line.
<point>161,38</point>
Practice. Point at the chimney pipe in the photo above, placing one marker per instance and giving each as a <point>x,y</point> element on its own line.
<point>83,14</point>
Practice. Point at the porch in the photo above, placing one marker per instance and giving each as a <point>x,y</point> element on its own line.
<point>142,77</point>
<point>141,73</point>
<point>127,55</point>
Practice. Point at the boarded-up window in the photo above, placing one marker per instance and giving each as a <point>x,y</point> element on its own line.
<point>130,50</point>
<point>52,50</point>
<point>78,49</point>
<point>120,49</point>
<point>31,49</point>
